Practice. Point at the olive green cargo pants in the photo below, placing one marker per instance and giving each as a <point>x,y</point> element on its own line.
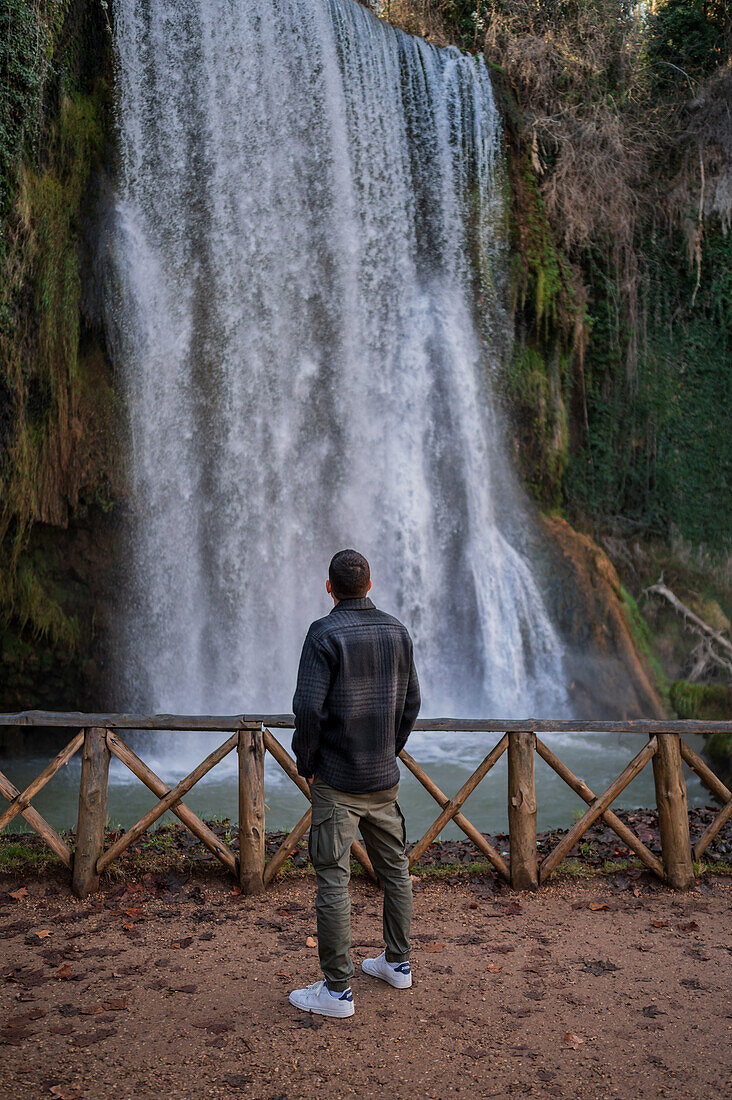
<point>337,816</point>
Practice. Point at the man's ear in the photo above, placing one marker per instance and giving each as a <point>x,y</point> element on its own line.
<point>369,587</point>
<point>328,587</point>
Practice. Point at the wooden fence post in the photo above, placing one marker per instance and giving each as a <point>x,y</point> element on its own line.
<point>92,811</point>
<point>673,813</point>
<point>251,810</point>
<point>522,811</point>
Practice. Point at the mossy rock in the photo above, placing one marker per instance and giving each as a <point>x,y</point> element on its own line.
<point>702,701</point>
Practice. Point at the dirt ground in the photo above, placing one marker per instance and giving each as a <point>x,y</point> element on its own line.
<point>612,988</point>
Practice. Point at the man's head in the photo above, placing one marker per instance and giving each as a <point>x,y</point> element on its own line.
<point>349,576</point>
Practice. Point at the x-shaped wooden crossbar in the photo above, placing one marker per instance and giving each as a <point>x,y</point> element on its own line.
<point>170,799</point>
<point>20,803</point>
<point>598,807</point>
<point>451,807</point>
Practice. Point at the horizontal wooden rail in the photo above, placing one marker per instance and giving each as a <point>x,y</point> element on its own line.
<point>251,737</point>
<point>206,723</point>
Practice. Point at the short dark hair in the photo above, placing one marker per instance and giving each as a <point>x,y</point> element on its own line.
<point>349,575</point>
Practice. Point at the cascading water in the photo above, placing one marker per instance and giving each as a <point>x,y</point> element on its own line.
<point>306,212</point>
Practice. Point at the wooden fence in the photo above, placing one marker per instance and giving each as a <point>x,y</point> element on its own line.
<point>98,737</point>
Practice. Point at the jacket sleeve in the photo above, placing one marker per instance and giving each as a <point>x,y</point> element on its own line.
<point>411,706</point>
<point>309,705</point>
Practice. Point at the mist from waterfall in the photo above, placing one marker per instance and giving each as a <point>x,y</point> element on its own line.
<point>303,299</point>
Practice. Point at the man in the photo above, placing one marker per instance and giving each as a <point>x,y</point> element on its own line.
<point>356,703</point>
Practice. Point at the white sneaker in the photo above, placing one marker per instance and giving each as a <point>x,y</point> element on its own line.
<point>317,998</point>
<point>397,974</point>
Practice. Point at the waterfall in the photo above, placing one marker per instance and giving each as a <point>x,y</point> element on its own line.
<point>303,280</point>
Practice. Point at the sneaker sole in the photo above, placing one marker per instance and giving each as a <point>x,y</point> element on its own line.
<point>337,1013</point>
<point>396,982</point>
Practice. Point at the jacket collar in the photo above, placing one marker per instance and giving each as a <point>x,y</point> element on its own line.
<point>363,604</point>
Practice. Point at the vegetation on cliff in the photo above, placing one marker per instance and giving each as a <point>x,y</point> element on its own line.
<point>620,152</point>
<point>57,406</point>
<point>619,148</point>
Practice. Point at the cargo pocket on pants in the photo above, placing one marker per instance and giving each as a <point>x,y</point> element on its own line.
<point>322,840</point>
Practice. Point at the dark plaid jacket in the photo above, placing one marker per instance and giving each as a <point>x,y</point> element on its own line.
<point>357,698</point>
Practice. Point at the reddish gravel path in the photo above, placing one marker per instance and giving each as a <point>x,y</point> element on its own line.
<point>577,991</point>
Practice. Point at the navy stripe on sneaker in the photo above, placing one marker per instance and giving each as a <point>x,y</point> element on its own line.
<point>347,995</point>
<point>403,968</point>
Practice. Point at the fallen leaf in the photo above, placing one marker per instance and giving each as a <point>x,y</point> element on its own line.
<point>18,895</point>
<point>42,933</point>
<point>435,947</point>
<point>14,1036</point>
<point>64,973</point>
<point>690,926</point>
<point>115,1004</point>
<point>311,942</point>
<point>651,1011</point>
<point>597,906</point>
<point>494,969</point>
<point>572,1040</point>
<point>659,924</point>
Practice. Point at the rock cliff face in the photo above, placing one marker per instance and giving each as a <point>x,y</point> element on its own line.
<point>608,675</point>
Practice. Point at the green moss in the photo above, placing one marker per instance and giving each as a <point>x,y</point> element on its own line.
<point>57,408</point>
<point>539,417</point>
<point>643,639</point>
<point>542,277</point>
<point>42,612</point>
<point>710,701</point>
<point>18,856</point>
